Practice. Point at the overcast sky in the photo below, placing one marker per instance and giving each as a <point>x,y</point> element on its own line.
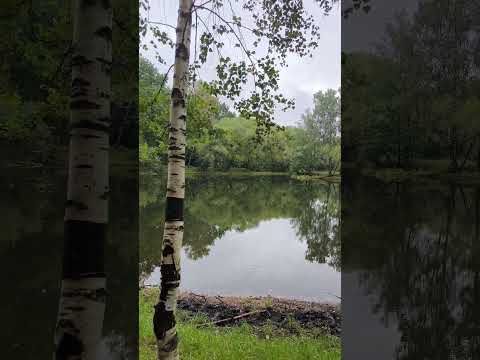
<point>362,32</point>
<point>300,80</point>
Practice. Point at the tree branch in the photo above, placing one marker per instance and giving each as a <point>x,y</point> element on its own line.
<point>161,87</point>
<point>238,38</point>
<point>161,23</point>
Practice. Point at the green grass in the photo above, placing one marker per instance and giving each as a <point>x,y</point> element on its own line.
<point>240,342</point>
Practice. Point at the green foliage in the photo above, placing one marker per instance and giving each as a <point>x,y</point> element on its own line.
<point>34,48</point>
<point>36,74</point>
<point>408,101</point>
<point>154,104</point>
<point>204,343</point>
<point>219,139</point>
<point>154,101</point>
<point>276,30</point>
<point>318,146</point>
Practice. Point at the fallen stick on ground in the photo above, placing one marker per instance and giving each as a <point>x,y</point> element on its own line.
<point>338,297</point>
<point>199,296</point>
<point>232,318</point>
<point>219,298</point>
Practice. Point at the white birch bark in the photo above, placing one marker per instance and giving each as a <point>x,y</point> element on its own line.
<point>164,318</point>
<point>82,303</point>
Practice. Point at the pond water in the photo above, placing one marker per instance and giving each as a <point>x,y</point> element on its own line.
<point>31,248</point>
<point>262,235</point>
<point>410,270</point>
<point>244,236</point>
<point>410,258</point>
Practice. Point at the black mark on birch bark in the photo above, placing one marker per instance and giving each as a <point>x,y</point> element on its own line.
<point>106,65</point>
<point>83,105</point>
<point>78,93</point>
<point>84,250</point>
<point>104,61</point>
<point>179,157</point>
<point>171,345</point>
<point>107,5</point>
<point>67,324</point>
<point>79,82</point>
<point>104,32</point>
<point>85,136</point>
<point>75,308</point>
<point>168,250</point>
<point>174,209</point>
<point>163,320</point>
<point>177,98</point>
<point>104,95</point>
<point>170,278</point>
<point>91,125</point>
<point>76,204</point>
<point>89,2</point>
<point>79,60</point>
<point>105,195</point>
<point>70,346</point>
<point>182,52</point>
<point>187,15</point>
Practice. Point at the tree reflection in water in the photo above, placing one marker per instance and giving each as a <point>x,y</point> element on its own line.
<point>215,205</point>
<point>417,250</point>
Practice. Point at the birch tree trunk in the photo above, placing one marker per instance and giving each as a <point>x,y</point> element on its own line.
<point>82,302</point>
<point>164,322</point>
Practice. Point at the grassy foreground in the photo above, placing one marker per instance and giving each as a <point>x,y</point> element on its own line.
<point>232,343</point>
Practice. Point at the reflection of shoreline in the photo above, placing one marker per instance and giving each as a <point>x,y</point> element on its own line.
<point>226,207</point>
<point>414,272</point>
<point>334,300</point>
<point>267,260</point>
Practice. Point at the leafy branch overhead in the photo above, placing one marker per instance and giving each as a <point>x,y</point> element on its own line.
<point>270,32</point>
<point>354,5</point>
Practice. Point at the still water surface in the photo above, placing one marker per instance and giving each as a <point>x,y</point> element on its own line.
<point>410,270</point>
<point>250,236</point>
<point>244,236</point>
<point>31,247</point>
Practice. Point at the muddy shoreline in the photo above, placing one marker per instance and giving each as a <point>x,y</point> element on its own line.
<point>221,310</point>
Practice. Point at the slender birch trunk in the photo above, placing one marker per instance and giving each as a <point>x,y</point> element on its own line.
<point>164,318</point>
<point>82,302</point>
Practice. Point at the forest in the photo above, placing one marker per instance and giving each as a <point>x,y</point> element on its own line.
<point>103,256</point>
<point>413,100</point>
<point>35,93</point>
<point>70,115</point>
<point>219,139</point>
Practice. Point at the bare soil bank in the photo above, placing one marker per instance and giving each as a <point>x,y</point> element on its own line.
<point>258,311</point>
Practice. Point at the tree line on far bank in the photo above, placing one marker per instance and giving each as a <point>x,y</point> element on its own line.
<point>221,140</point>
<point>413,102</point>
<point>36,83</point>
